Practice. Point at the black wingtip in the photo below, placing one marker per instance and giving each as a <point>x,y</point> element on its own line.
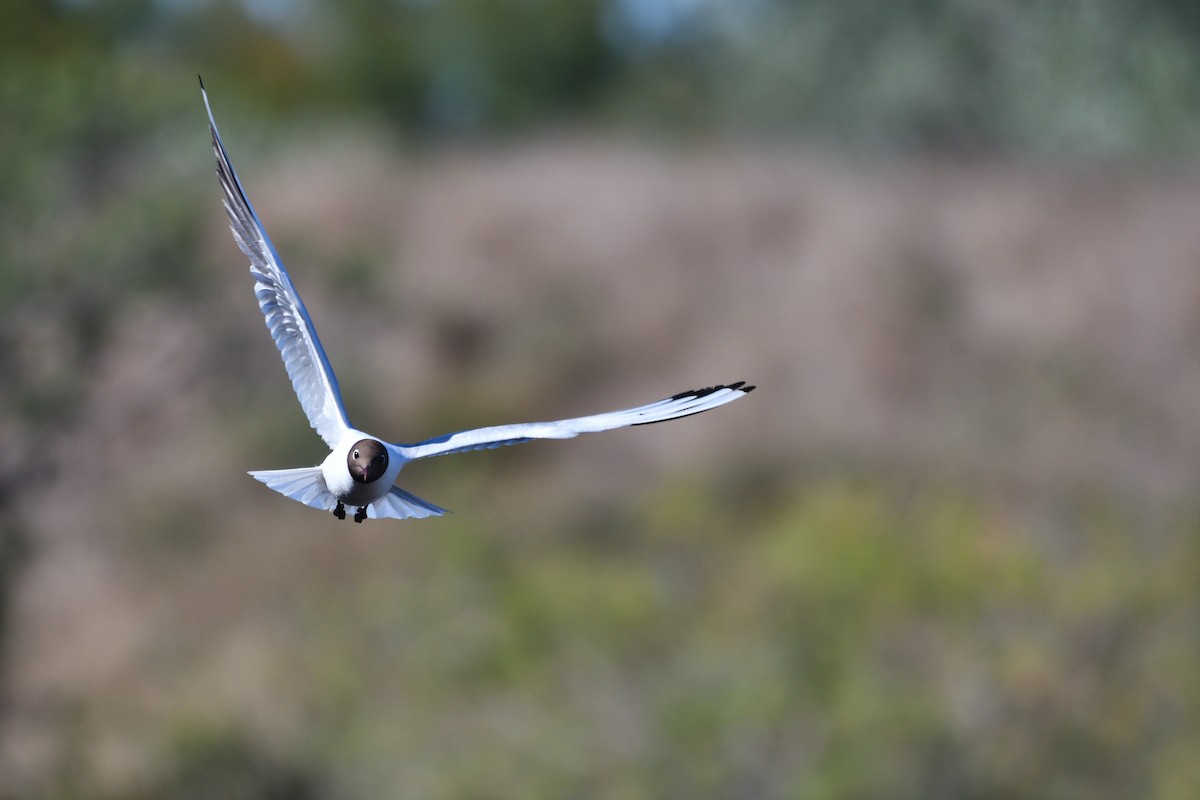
<point>740,386</point>
<point>695,392</point>
<point>201,81</point>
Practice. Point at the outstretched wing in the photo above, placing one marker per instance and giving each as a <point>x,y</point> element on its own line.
<point>287,318</point>
<point>681,405</point>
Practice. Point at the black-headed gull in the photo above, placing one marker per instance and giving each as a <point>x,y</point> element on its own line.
<point>360,470</point>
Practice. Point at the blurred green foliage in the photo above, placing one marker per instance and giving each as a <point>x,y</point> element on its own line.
<point>1111,77</point>
<point>853,639</point>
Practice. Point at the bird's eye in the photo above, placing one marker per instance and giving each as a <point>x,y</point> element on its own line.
<point>356,454</point>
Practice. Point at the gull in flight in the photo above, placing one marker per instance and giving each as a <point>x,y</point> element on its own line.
<point>360,471</point>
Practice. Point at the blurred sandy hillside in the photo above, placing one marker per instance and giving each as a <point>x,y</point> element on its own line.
<point>948,549</point>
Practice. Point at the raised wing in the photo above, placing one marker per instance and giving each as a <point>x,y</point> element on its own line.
<point>681,405</point>
<point>287,318</point>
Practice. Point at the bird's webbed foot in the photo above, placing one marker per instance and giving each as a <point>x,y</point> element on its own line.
<point>361,514</point>
<point>340,511</point>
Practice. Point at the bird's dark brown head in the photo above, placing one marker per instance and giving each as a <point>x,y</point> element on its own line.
<point>367,460</point>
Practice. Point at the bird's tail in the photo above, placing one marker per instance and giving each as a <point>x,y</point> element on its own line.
<point>399,504</point>
<point>305,485</point>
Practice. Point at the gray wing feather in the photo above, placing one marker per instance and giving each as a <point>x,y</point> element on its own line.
<point>287,319</point>
<point>681,405</point>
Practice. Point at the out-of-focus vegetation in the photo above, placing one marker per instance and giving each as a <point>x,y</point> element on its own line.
<point>1113,77</point>
<point>950,549</point>
<point>850,641</point>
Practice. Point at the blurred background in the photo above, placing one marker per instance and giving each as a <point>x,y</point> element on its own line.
<point>949,549</point>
